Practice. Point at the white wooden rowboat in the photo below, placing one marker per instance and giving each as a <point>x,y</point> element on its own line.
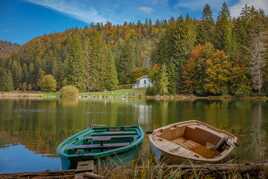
<point>192,140</point>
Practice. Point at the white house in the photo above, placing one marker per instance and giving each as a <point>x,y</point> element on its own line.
<point>143,82</point>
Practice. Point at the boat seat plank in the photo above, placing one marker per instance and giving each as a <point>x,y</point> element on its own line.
<point>98,146</point>
<point>107,138</point>
<point>114,133</point>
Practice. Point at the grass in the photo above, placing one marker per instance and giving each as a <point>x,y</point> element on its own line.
<point>121,93</point>
<point>117,94</point>
<point>145,167</point>
<point>50,95</point>
<point>148,169</point>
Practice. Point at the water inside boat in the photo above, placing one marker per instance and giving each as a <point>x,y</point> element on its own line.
<point>101,140</point>
<point>204,142</point>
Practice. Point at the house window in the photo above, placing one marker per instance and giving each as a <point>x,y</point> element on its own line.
<point>144,82</point>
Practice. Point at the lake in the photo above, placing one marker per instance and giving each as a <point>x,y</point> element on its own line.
<point>30,130</point>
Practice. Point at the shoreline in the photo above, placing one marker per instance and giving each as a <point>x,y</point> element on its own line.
<point>31,95</point>
<point>38,95</point>
<point>209,98</point>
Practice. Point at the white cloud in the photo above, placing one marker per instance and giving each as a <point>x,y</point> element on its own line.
<point>146,9</point>
<point>74,9</point>
<point>259,4</point>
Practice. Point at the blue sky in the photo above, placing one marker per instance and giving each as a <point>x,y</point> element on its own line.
<point>22,20</point>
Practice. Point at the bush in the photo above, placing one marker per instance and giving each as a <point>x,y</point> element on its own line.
<point>69,92</point>
<point>48,83</point>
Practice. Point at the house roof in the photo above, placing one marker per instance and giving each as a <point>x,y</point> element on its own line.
<point>144,76</point>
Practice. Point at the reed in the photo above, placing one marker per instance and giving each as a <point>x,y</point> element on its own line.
<point>145,167</point>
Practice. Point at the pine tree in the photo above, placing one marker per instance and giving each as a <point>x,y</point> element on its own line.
<point>225,39</point>
<point>163,81</point>
<point>239,81</point>
<point>206,27</point>
<point>246,27</point>
<point>172,78</point>
<point>125,63</point>
<point>17,73</point>
<point>6,80</point>
<point>173,49</point>
<point>111,80</point>
<point>75,63</point>
<point>93,66</point>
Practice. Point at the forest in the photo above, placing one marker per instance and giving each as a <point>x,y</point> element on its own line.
<point>220,55</point>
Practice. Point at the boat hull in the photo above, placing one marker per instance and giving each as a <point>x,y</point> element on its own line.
<point>163,157</point>
<point>115,156</point>
<point>168,157</point>
<point>123,158</point>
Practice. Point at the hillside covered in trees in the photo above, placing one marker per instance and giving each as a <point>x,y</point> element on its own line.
<point>7,49</point>
<point>182,56</point>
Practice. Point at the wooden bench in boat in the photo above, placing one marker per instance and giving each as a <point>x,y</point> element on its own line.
<point>109,133</point>
<point>98,146</point>
<point>107,138</point>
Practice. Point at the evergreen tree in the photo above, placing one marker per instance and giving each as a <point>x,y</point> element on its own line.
<point>6,80</point>
<point>225,39</point>
<point>75,63</point>
<point>206,27</point>
<point>239,81</point>
<point>172,78</point>
<point>111,80</point>
<point>173,50</point>
<point>125,63</point>
<point>163,81</point>
<point>94,62</point>
<point>17,73</point>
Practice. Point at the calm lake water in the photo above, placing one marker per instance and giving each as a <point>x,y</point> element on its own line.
<point>31,130</point>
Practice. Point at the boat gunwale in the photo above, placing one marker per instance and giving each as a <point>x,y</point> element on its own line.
<point>222,155</point>
<point>61,147</point>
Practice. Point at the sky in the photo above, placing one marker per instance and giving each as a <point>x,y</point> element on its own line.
<point>22,20</point>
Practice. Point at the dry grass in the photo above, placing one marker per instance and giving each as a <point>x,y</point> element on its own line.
<point>145,167</point>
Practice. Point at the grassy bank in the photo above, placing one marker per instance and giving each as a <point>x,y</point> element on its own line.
<point>193,98</point>
<point>115,94</point>
<point>122,94</point>
<point>28,95</point>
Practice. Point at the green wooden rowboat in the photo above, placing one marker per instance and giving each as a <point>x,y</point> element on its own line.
<point>121,144</point>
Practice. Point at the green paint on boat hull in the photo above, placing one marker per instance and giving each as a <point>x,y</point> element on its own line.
<point>73,148</point>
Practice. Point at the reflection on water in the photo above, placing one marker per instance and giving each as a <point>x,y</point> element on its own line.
<point>17,158</point>
<point>39,126</point>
